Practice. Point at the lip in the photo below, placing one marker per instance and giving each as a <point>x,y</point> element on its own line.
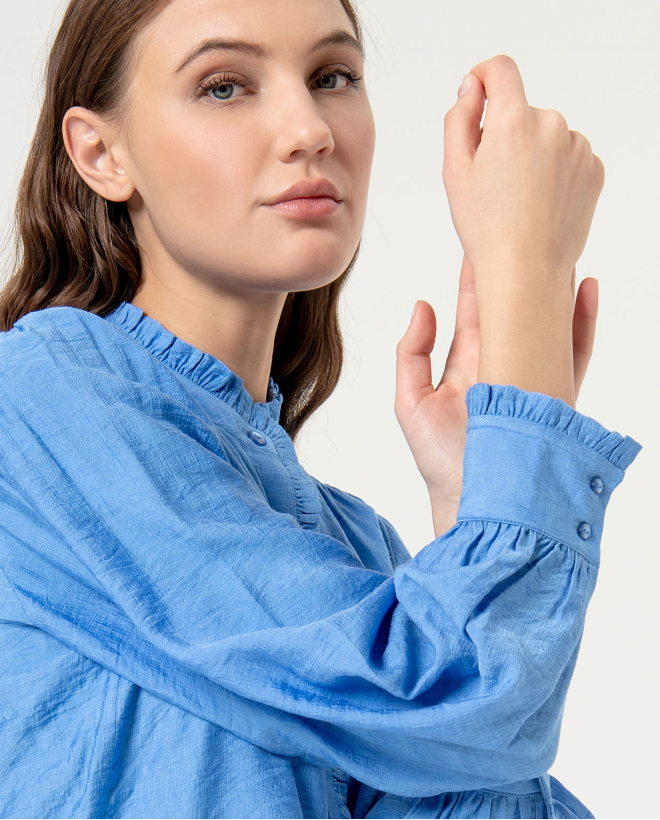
<point>307,189</point>
<point>311,207</point>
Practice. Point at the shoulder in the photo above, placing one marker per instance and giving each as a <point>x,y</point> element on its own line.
<point>45,337</point>
<point>51,362</point>
<point>371,534</point>
<point>59,363</point>
<point>56,323</point>
<point>63,369</point>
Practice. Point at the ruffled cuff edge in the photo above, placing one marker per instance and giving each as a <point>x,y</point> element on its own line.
<point>485,399</point>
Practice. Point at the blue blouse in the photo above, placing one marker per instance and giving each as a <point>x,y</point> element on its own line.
<point>192,626</point>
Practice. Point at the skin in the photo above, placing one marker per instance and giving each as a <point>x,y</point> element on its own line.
<point>195,172</point>
<point>522,193</point>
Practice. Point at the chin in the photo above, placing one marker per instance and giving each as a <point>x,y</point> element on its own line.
<point>315,274</point>
<point>314,264</point>
<point>290,283</point>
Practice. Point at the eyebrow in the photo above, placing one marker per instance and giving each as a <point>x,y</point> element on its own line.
<point>336,38</point>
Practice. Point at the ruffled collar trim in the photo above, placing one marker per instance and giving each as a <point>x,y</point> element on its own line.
<point>201,368</point>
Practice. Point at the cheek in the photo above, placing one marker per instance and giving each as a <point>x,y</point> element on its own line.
<point>357,138</point>
<point>197,172</point>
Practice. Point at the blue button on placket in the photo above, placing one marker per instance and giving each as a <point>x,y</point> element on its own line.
<point>257,438</point>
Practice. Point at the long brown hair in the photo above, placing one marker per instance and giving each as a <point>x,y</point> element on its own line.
<point>75,248</point>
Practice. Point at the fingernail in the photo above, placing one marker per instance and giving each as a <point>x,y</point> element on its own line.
<point>414,312</point>
<point>466,84</point>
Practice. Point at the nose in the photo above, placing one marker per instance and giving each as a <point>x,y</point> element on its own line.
<point>300,128</point>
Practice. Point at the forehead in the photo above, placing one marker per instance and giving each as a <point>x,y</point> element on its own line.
<point>276,25</point>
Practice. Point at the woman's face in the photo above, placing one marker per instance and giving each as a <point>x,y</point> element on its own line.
<point>213,132</point>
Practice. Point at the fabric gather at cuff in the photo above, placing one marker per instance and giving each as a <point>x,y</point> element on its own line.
<point>541,464</point>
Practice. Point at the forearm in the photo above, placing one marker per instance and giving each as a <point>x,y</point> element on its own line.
<point>526,335</point>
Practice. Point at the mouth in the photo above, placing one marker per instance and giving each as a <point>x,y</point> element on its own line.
<point>307,207</point>
<point>312,188</point>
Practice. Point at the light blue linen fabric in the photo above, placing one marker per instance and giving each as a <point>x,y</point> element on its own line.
<point>193,626</point>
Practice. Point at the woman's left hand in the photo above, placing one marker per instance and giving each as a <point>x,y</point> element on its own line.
<point>434,420</point>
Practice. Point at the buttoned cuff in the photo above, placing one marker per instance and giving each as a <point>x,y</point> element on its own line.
<point>533,460</point>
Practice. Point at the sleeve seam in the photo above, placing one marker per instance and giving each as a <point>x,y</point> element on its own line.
<point>537,530</point>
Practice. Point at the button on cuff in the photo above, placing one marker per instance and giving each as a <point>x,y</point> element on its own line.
<point>519,472</point>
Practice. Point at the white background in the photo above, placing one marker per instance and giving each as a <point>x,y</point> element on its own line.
<point>596,62</point>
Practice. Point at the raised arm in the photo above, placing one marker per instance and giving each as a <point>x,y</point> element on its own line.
<point>522,195</point>
<point>129,536</point>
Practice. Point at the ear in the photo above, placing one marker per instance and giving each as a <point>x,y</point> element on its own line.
<point>89,143</point>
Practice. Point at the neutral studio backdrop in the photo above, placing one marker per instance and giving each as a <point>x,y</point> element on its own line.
<point>596,62</point>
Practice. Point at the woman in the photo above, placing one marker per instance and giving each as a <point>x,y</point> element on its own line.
<point>191,625</point>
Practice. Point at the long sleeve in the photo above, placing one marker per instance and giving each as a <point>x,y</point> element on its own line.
<point>129,536</point>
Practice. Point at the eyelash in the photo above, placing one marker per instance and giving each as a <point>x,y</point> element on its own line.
<point>221,79</point>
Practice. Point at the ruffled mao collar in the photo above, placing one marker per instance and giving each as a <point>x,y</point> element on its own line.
<point>201,368</point>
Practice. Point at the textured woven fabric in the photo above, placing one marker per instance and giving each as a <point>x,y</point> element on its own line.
<point>191,625</point>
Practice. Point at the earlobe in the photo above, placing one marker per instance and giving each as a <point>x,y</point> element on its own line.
<point>88,142</point>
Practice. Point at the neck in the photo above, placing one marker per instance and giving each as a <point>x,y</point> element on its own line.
<point>236,327</point>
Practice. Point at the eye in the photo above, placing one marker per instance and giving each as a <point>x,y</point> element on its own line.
<point>353,78</point>
<point>220,86</point>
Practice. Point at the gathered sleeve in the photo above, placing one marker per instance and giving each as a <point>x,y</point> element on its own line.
<point>126,534</point>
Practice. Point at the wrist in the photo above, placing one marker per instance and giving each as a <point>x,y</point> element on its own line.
<point>526,340</point>
<point>522,270</point>
<point>444,512</point>
<point>535,368</point>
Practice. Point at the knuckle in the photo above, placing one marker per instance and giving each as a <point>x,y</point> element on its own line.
<point>554,121</point>
<point>503,60</point>
<point>585,350</point>
<point>599,170</point>
<point>581,142</point>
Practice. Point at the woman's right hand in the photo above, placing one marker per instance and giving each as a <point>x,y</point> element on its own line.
<point>522,193</point>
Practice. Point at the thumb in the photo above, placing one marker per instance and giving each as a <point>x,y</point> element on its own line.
<point>462,122</point>
<point>413,356</point>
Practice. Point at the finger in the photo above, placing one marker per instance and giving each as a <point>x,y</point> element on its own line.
<point>463,357</point>
<point>573,284</point>
<point>413,355</point>
<point>467,313</point>
<point>584,328</point>
<point>600,169</point>
<point>462,122</point>
<point>503,84</point>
